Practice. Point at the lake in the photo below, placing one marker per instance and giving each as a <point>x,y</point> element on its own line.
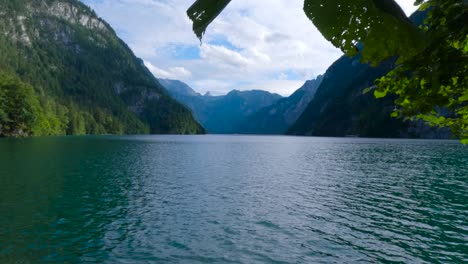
<point>232,199</point>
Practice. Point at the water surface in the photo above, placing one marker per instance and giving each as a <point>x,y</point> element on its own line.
<point>232,199</point>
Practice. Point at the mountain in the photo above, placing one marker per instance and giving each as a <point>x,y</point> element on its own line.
<point>177,88</point>
<point>340,108</point>
<point>86,80</point>
<point>278,117</point>
<point>221,114</point>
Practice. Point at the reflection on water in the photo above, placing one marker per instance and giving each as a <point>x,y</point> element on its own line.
<point>234,199</point>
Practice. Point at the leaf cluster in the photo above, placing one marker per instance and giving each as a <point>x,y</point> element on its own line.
<point>430,81</point>
<point>433,85</point>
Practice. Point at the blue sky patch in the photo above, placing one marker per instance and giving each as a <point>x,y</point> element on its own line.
<point>182,52</point>
<point>288,74</point>
<point>220,40</point>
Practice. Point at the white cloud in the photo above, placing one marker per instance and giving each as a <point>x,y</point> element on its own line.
<point>171,73</point>
<point>261,40</point>
<point>224,57</point>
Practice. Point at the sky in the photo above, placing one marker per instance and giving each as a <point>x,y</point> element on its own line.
<point>267,45</point>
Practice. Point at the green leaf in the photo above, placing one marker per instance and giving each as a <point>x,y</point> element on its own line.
<point>463,98</point>
<point>203,12</point>
<point>443,21</point>
<point>380,26</point>
<point>422,83</point>
<point>464,141</point>
<point>380,94</point>
<point>424,6</point>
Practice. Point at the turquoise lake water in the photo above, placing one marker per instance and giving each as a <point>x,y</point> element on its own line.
<point>232,199</point>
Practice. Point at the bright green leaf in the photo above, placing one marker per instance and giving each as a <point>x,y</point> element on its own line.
<point>422,82</point>
<point>463,98</point>
<point>380,94</point>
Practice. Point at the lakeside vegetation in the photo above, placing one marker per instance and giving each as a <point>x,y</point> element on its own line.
<point>64,71</point>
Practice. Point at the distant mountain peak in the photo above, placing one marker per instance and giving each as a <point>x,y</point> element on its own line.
<point>220,114</point>
<point>176,87</point>
<point>312,84</point>
<point>276,118</point>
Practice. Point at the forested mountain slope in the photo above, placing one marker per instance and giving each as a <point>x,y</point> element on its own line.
<point>86,80</point>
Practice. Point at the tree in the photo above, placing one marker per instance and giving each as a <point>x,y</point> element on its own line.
<point>433,85</point>
<point>430,78</point>
<point>19,107</point>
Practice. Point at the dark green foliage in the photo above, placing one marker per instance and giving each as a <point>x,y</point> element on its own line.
<point>81,71</point>
<point>433,86</point>
<point>379,26</point>
<point>19,107</point>
<point>23,112</point>
<point>170,117</point>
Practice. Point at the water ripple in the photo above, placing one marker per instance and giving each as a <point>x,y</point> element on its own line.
<point>232,199</point>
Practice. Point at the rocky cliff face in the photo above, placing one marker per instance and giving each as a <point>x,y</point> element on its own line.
<point>67,53</point>
<point>178,89</point>
<point>17,15</point>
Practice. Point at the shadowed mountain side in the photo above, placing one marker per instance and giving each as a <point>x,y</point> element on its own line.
<point>278,117</point>
<point>340,108</point>
<point>221,114</point>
